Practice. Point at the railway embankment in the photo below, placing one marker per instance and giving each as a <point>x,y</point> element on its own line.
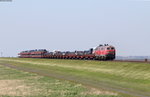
<point>128,79</point>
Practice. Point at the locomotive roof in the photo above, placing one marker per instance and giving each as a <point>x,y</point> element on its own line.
<point>104,46</point>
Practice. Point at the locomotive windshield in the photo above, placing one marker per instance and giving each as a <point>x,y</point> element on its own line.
<point>110,48</point>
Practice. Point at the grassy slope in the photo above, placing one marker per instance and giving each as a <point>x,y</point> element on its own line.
<point>14,83</point>
<point>127,78</point>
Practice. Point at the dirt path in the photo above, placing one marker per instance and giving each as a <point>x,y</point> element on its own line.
<point>75,79</point>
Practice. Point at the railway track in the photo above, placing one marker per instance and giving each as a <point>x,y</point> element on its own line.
<point>138,61</point>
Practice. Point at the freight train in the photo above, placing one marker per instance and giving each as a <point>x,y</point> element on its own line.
<point>101,52</point>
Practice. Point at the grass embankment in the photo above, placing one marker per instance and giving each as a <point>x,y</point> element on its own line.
<point>128,79</point>
<point>15,83</point>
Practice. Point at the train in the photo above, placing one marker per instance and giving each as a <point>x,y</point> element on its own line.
<point>101,52</point>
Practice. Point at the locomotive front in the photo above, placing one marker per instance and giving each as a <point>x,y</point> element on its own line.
<point>110,53</point>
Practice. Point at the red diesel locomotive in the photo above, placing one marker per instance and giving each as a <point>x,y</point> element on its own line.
<point>102,52</point>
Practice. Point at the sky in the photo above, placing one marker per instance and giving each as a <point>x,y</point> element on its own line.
<point>69,25</point>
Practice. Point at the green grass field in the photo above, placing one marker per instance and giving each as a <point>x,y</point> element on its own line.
<point>94,78</point>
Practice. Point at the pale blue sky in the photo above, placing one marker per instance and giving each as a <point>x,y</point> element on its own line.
<point>75,25</point>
